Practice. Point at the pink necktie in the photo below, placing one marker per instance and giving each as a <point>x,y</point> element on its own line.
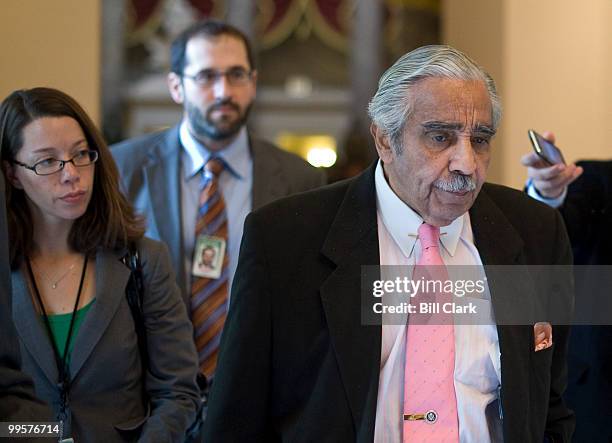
<point>430,406</point>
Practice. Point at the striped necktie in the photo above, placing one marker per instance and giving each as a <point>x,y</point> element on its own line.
<point>209,296</point>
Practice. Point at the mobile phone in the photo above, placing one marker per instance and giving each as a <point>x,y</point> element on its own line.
<point>545,149</point>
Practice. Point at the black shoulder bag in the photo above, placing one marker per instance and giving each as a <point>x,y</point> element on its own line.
<point>134,293</point>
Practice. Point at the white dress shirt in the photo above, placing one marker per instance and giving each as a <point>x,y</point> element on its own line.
<point>235,182</point>
<point>552,202</point>
<point>477,356</point>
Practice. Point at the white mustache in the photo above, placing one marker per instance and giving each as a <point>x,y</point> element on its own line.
<point>456,183</point>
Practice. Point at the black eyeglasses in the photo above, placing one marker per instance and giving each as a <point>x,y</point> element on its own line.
<point>52,165</point>
<point>208,77</point>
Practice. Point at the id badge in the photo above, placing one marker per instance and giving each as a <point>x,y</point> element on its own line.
<point>208,256</point>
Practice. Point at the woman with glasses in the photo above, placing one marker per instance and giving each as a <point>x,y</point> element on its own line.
<point>70,231</point>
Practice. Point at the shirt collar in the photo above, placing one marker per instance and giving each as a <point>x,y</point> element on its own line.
<point>403,222</point>
<point>236,155</point>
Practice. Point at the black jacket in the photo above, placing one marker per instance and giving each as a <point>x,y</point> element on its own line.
<point>17,401</point>
<point>587,212</point>
<point>296,363</point>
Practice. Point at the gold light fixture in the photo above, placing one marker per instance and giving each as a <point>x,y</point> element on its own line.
<point>319,150</point>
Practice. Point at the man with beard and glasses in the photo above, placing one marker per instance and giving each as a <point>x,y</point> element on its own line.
<point>305,355</point>
<point>196,182</point>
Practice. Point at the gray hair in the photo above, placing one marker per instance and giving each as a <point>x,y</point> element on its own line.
<point>390,107</point>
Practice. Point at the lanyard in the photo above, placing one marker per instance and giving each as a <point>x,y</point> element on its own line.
<point>61,361</point>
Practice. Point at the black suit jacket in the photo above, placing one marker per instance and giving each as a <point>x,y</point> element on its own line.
<point>587,212</point>
<point>17,401</point>
<point>296,364</point>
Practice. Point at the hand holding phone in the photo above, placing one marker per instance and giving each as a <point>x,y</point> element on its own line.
<point>546,168</point>
<point>545,149</point>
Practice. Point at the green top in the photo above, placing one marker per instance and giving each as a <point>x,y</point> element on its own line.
<point>60,323</point>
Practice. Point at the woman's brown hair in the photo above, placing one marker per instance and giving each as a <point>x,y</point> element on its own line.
<point>109,221</point>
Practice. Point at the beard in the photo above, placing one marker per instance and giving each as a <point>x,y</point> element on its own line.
<point>204,126</point>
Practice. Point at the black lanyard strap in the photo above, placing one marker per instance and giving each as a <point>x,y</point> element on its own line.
<point>60,361</point>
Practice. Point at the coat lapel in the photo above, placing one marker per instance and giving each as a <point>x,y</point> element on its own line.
<point>497,241</point>
<point>268,181</point>
<point>111,279</point>
<point>500,248</point>
<point>352,242</point>
<point>31,328</point>
<point>162,175</point>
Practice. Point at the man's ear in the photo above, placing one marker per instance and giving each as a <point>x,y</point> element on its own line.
<point>175,86</point>
<point>383,144</point>
<point>9,171</point>
<point>254,82</point>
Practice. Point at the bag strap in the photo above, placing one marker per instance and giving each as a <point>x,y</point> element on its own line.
<point>134,293</point>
